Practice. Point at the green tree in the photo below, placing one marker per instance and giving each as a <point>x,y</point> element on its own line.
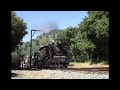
<point>18,30</point>
<point>96,27</point>
<point>37,42</point>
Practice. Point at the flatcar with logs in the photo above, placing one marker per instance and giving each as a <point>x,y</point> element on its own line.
<point>51,56</point>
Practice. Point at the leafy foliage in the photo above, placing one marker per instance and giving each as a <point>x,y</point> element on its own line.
<point>18,27</point>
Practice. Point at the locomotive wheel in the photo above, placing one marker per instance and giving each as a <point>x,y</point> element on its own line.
<point>65,65</point>
<point>41,65</point>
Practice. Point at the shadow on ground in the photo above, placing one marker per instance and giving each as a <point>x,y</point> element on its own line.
<point>14,75</point>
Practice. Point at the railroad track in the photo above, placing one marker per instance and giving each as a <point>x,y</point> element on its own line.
<point>88,69</point>
<point>80,69</point>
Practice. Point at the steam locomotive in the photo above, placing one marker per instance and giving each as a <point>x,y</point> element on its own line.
<point>51,56</point>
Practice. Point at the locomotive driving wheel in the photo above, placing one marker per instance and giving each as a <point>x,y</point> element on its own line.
<point>65,65</point>
<point>42,64</point>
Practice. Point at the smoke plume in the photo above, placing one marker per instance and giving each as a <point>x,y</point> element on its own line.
<point>49,27</point>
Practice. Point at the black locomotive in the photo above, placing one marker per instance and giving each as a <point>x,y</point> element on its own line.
<point>51,55</point>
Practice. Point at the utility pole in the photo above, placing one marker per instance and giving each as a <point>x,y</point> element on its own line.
<point>31,45</point>
<point>30,48</point>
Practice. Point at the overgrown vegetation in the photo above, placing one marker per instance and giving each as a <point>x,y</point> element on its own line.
<point>18,31</point>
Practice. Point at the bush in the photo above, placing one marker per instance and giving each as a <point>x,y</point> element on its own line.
<point>15,62</point>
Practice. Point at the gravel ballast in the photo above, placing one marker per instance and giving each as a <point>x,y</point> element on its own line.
<point>58,74</point>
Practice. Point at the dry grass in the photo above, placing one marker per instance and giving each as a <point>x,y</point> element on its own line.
<point>86,64</point>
